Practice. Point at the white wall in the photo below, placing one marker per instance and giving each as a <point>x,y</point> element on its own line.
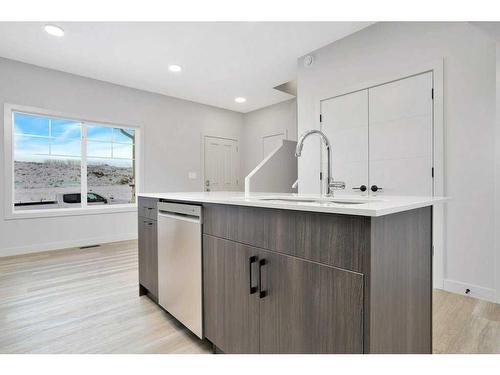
<point>281,117</point>
<point>497,177</point>
<point>172,131</point>
<point>469,118</point>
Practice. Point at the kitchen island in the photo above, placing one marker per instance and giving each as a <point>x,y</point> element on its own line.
<point>308,274</point>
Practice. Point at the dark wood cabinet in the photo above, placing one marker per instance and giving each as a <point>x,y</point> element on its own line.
<point>336,240</point>
<point>148,249</point>
<point>258,301</point>
<point>309,307</point>
<point>231,313</point>
<point>148,208</point>
<point>333,283</point>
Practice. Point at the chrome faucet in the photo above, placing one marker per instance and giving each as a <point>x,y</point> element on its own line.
<point>330,184</point>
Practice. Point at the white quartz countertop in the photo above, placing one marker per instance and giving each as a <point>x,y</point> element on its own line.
<point>340,204</point>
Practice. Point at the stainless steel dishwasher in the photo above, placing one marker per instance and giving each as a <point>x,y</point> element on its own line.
<point>180,263</point>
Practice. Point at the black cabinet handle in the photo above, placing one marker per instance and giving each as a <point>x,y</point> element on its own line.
<point>262,293</point>
<point>362,188</point>
<point>375,188</point>
<point>149,223</point>
<point>251,261</point>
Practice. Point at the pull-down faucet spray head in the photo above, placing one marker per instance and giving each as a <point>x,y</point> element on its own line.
<point>298,149</point>
<point>300,142</point>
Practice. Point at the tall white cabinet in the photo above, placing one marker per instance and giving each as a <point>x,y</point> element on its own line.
<point>344,120</point>
<point>382,137</point>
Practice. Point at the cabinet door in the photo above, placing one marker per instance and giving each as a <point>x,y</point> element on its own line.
<point>344,120</point>
<point>231,313</point>
<point>401,137</point>
<point>308,307</point>
<point>148,255</point>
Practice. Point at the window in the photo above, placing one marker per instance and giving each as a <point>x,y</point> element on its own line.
<point>56,161</point>
<point>110,165</point>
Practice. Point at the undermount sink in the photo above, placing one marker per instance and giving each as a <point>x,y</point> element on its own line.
<point>313,200</point>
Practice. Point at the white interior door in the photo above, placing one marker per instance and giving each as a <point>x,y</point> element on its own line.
<point>344,120</point>
<point>271,143</point>
<point>400,137</point>
<point>221,164</point>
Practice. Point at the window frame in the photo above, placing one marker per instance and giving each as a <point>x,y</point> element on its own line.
<point>84,209</point>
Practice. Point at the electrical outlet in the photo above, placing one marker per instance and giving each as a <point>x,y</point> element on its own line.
<point>192,175</point>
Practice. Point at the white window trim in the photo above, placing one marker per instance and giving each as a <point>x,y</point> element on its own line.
<point>11,214</point>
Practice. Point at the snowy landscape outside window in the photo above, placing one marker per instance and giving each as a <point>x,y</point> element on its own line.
<point>57,161</point>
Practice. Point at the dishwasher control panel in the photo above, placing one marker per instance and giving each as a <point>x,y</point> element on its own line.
<point>180,208</point>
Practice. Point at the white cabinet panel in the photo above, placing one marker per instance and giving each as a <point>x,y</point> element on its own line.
<point>353,174</point>
<point>344,120</point>
<point>402,176</point>
<point>407,97</point>
<point>400,136</point>
<point>404,138</point>
<point>346,111</point>
<point>350,144</point>
<point>382,136</point>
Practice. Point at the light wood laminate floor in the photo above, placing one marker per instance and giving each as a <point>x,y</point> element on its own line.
<point>86,301</point>
<point>464,324</point>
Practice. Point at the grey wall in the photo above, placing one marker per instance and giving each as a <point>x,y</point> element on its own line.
<point>277,172</point>
<point>497,177</point>
<point>469,119</point>
<point>281,117</point>
<point>172,130</point>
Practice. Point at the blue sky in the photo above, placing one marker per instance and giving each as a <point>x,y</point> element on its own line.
<point>36,137</point>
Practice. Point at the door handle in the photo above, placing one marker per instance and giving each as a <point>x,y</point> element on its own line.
<point>262,293</point>
<point>375,188</point>
<point>251,260</point>
<point>362,188</point>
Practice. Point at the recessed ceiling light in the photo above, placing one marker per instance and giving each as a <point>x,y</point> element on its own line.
<point>174,68</point>
<point>54,30</point>
<point>240,99</point>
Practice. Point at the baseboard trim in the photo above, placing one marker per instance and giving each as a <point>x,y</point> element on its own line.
<point>476,291</point>
<point>59,245</point>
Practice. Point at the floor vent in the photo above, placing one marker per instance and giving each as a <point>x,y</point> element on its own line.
<point>88,247</point>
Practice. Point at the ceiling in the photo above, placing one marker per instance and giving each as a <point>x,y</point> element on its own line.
<point>219,60</point>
